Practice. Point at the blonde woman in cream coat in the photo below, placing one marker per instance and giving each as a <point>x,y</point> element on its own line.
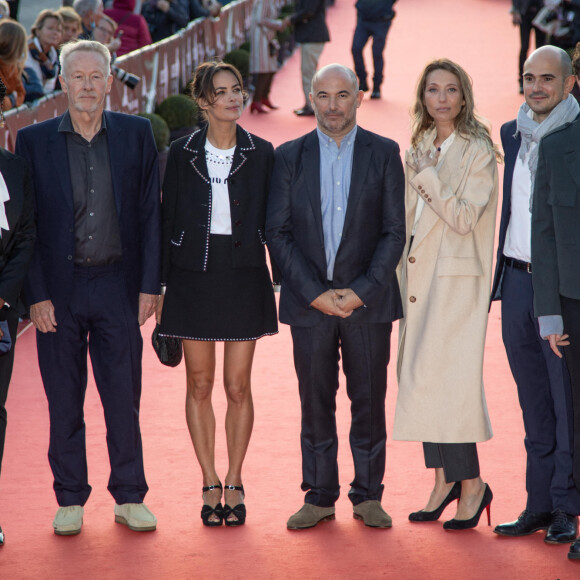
<point>445,274</point>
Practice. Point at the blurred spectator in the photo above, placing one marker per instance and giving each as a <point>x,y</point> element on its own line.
<point>523,13</point>
<point>133,26</point>
<point>311,32</point>
<point>12,54</point>
<point>374,19</point>
<point>165,17</point>
<point>4,9</point>
<point>104,33</point>
<point>42,61</point>
<point>67,3</point>
<point>71,24</point>
<point>576,68</point>
<point>14,6</point>
<point>90,11</point>
<point>264,52</point>
<point>197,10</point>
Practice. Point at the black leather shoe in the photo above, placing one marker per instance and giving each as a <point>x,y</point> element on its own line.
<point>526,524</point>
<point>363,86</point>
<point>574,553</point>
<point>304,112</point>
<point>376,94</point>
<point>563,529</point>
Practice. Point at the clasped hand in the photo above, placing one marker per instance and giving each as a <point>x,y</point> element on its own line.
<point>337,302</point>
<point>423,160</point>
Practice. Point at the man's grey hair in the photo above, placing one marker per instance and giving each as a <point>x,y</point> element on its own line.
<point>347,72</point>
<point>72,47</point>
<point>83,7</point>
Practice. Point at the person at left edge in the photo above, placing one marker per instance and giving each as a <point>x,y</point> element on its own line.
<point>16,246</point>
<point>94,278</point>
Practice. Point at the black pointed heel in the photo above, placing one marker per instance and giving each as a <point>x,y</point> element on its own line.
<point>472,522</point>
<point>239,511</point>
<point>423,516</point>
<point>207,511</point>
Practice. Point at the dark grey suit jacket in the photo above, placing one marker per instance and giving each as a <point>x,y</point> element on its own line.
<point>17,243</point>
<point>373,235</point>
<point>556,220</point>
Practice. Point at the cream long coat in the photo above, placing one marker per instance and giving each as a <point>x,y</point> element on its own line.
<point>445,284</point>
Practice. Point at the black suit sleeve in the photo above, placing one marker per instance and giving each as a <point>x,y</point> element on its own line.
<point>388,251</point>
<point>544,254</point>
<point>298,275</point>
<point>22,246</point>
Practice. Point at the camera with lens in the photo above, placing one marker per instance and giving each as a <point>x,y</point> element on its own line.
<point>128,79</point>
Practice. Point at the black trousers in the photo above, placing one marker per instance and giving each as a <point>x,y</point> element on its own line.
<point>571,316</point>
<point>365,352</point>
<point>6,365</point>
<point>100,320</point>
<point>525,34</point>
<point>458,460</point>
<point>545,396</point>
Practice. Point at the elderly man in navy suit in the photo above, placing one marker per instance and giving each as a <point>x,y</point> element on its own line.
<point>94,278</point>
<point>542,380</point>
<point>336,228</point>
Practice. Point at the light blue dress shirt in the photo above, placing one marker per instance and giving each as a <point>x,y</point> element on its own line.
<point>335,175</point>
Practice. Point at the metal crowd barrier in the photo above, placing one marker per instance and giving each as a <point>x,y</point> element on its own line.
<point>164,68</point>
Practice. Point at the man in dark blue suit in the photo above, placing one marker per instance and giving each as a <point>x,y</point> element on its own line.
<point>542,379</point>
<point>336,228</point>
<point>94,278</point>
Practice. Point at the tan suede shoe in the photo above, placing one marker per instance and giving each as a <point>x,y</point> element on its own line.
<point>372,514</point>
<point>308,516</point>
<point>68,520</point>
<point>136,516</point>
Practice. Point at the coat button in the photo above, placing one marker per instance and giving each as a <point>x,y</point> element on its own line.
<point>412,259</point>
<point>69,257</point>
<point>236,202</point>
<point>238,222</point>
<point>429,199</point>
<point>237,244</point>
<point>412,299</point>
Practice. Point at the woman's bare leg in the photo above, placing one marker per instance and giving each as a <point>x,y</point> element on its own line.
<point>200,373</point>
<point>238,358</point>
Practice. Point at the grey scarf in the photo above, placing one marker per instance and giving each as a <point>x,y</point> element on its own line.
<point>532,132</point>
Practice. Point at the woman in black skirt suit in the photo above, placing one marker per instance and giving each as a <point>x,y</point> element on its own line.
<point>217,284</point>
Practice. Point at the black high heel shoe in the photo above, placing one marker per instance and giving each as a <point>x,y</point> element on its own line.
<point>239,511</point>
<point>423,516</point>
<point>207,511</point>
<point>472,522</point>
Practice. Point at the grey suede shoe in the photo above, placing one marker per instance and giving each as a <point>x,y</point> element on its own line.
<point>136,516</point>
<point>309,515</point>
<point>372,514</point>
<point>68,520</point>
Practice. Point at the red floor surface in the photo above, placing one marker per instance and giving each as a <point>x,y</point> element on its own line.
<point>476,33</point>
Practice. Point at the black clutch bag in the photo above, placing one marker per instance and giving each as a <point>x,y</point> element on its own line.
<point>168,349</point>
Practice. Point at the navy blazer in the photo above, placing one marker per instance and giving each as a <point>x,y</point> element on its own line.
<point>135,175</point>
<point>373,235</point>
<point>187,199</point>
<point>511,145</point>
<point>17,243</point>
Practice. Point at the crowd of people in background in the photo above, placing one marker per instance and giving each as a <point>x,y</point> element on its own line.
<point>29,60</point>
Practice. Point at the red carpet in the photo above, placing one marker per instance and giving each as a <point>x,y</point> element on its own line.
<point>476,33</point>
